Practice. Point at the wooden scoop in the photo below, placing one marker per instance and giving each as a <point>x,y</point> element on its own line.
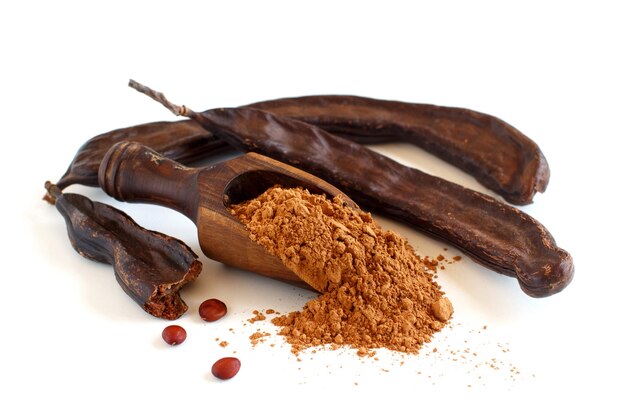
<point>135,173</point>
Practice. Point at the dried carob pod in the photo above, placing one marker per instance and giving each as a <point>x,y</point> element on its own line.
<point>494,234</point>
<point>150,266</point>
<point>184,142</point>
<point>495,153</point>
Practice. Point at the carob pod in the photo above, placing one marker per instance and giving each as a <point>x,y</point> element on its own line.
<point>184,141</point>
<point>495,153</point>
<point>498,155</point>
<point>150,266</point>
<point>494,234</point>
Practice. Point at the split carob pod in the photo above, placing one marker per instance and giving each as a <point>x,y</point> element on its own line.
<point>494,234</point>
<point>498,155</point>
<point>151,267</point>
<point>184,141</point>
<point>132,172</point>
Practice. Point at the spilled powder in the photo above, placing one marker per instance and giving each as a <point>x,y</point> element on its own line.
<point>258,337</point>
<point>258,316</point>
<point>375,291</point>
<point>433,264</point>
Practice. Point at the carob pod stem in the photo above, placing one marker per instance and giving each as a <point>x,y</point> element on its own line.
<point>494,234</point>
<point>499,156</point>
<point>150,266</point>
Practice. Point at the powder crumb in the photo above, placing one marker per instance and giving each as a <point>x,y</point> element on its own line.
<point>375,291</point>
<point>442,309</point>
<point>258,316</point>
<point>223,343</point>
<point>437,263</point>
<point>258,337</point>
<point>270,311</point>
<point>362,351</point>
<point>429,263</point>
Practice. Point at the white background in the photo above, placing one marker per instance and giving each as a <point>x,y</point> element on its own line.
<point>74,344</point>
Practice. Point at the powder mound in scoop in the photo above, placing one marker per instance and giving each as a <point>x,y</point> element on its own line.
<point>375,291</point>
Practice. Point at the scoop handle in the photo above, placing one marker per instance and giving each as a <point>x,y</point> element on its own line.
<point>134,173</point>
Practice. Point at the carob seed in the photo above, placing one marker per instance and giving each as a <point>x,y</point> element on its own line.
<point>212,310</point>
<point>226,368</point>
<point>174,335</point>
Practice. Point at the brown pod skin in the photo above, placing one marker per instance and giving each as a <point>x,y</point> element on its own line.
<point>499,156</point>
<point>495,153</point>
<point>184,141</point>
<point>151,267</point>
<point>494,234</point>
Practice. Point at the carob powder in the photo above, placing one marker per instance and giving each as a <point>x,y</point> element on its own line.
<point>375,291</point>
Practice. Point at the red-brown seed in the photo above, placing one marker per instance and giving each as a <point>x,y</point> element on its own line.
<point>212,309</point>
<point>174,335</point>
<point>226,368</point>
